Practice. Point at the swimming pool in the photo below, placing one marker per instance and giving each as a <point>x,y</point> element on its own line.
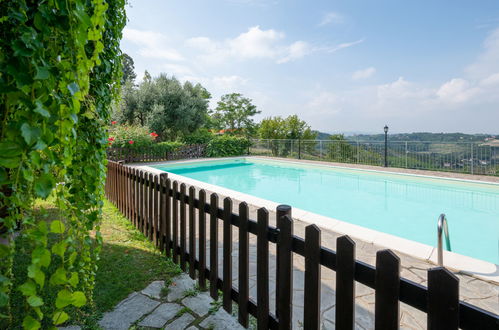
<point>402,205</point>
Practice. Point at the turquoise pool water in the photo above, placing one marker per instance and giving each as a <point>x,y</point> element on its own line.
<point>402,205</point>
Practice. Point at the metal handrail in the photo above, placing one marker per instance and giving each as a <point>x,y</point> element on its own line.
<point>442,226</point>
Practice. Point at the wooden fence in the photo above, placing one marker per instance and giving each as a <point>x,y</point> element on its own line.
<point>155,154</point>
<point>162,208</point>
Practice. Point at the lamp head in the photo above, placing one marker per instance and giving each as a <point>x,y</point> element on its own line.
<point>385,129</point>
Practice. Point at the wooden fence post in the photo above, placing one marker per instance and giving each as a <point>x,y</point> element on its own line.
<point>281,211</point>
<point>312,294</point>
<point>156,211</point>
<point>192,233</point>
<point>443,300</point>
<point>345,283</point>
<point>213,246</point>
<point>168,225</point>
<point>284,284</point>
<point>243,264</point>
<point>202,240</point>
<point>183,227</point>
<point>262,269</point>
<point>387,287</point>
<point>227,256</point>
<point>163,210</point>
<point>175,202</point>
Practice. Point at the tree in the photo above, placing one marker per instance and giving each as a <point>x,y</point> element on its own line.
<point>166,106</point>
<point>234,112</point>
<point>340,150</point>
<point>128,69</point>
<point>170,108</point>
<point>288,129</point>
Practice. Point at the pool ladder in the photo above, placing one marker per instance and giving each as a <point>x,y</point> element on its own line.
<point>442,227</point>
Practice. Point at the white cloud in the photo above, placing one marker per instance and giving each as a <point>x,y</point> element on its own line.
<point>344,45</point>
<point>296,51</point>
<point>252,44</point>
<point>488,60</point>
<point>457,90</point>
<point>331,18</point>
<point>176,69</point>
<point>151,44</point>
<point>491,80</point>
<point>258,44</point>
<point>324,102</point>
<point>364,73</point>
<point>228,82</point>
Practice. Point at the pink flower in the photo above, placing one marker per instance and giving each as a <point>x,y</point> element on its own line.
<point>131,141</point>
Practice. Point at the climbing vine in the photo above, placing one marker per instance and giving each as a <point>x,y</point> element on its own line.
<point>59,72</point>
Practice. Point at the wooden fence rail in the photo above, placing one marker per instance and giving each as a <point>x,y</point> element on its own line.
<point>161,209</point>
<point>155,154</point>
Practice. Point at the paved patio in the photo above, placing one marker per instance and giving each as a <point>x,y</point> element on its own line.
<point>472,290</point>
<point>179,306</point>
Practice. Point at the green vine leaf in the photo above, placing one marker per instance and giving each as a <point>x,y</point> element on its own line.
<point>60,317</point>
<point>42,73</point>
<point>28,288</point>
<point>73,88</point>
<point>29,133</point>
<point>4,299</point>
<point>41,110</point>
<point>79,299</point>
<point>29,323</point>
<point>41,256</point>
<point>59,277</point>
<point>44,185</point>
<point>73,280</point>
<point>57,227</point>
<point>59,248</point>
<point>35,301</point>
<point>64,298</point>
<point>36,274</point>
<point>10,149</point>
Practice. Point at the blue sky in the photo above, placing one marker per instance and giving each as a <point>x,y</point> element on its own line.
<point>343,66</point>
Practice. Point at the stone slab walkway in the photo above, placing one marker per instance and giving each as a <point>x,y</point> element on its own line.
<point>472,290</point>
<point>179,306</point>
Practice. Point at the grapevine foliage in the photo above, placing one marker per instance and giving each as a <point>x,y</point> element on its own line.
<point>59,72</point>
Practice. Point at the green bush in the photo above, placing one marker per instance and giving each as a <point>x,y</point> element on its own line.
<point>225,146</point>
<point>124,136</point>
<point>166,146</point>
<point>201,136</point>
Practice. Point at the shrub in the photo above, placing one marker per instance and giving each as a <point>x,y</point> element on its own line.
<point>166,146</point>
<point>201,136</point>
<point>131,136</point>
<point>225,146</point>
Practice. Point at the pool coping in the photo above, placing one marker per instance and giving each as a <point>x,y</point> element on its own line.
<point>478,268</point>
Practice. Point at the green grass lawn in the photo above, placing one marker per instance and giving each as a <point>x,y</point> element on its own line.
<point>128,262</point>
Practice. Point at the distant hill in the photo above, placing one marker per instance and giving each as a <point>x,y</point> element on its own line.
<point>424,136</point>
<point>323,136</point>
<point>419,136</point>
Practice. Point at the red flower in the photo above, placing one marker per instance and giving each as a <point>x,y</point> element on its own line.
<point>113,122</point>
<point>111,139</point>
<point>154,135</point>
<point>131,141</point>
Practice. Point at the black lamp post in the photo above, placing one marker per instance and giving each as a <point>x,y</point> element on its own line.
<point>386,145</point>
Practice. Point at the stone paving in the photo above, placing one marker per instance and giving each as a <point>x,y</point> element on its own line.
<point>472,290</point>
<point>180,306</point>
